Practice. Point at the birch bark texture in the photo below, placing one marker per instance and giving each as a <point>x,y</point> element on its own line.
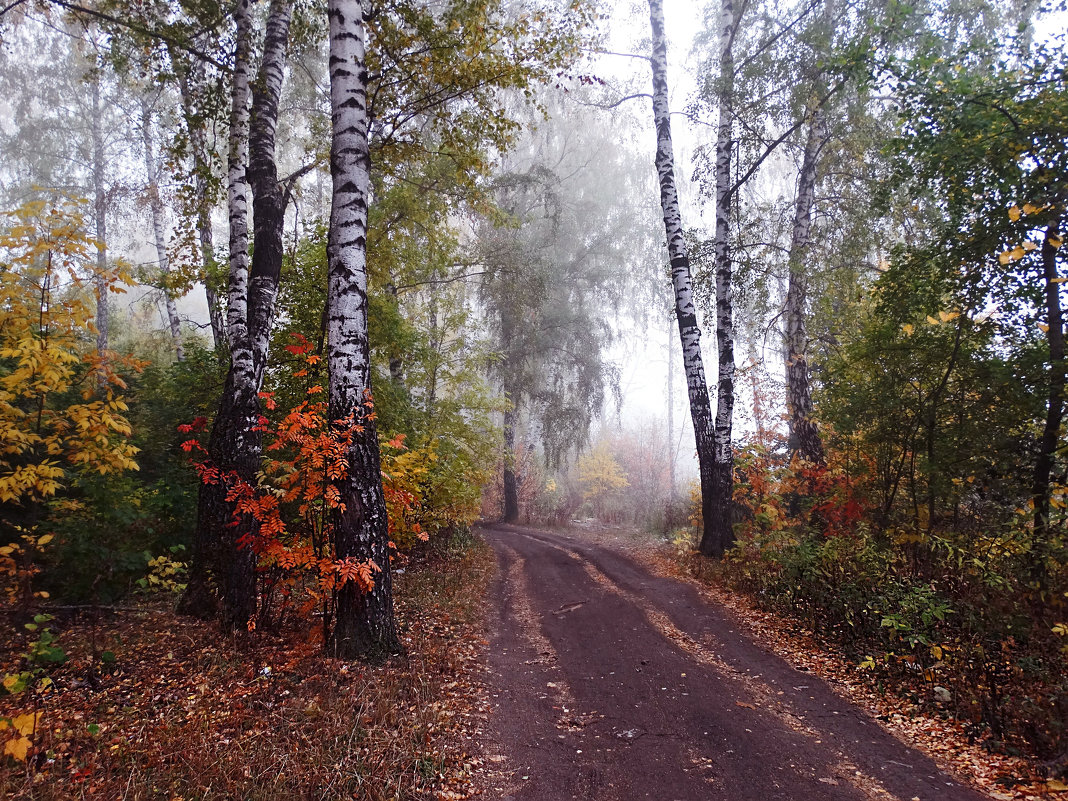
<point>155,206</point>
<point>235,444</point>
<point>213,512</point>
<point>720,534</point>
<point>682,283</point>
<point>364,625</point>
<point>804,438</point>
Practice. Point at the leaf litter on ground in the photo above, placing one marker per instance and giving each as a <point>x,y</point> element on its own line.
<point>183,712</point>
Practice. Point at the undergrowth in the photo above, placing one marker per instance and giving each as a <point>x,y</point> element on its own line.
<point>177,711</point>
<point>959,622</point>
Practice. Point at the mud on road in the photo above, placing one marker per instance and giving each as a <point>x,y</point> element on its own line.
<point>609,682</point>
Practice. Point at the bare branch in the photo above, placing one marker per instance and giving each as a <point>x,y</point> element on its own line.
<point>619,102</point>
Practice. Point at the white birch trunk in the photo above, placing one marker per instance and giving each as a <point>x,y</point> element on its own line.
<point>155,203</point>
<point>235,444</point>
<point>671,420</point>
<point>364,624</point>
<point>201,166</point>
<point>237,191</point>
<point>682,282</point>
<point>214,549</point>
<point>722,534</point>
<point>268,197</point>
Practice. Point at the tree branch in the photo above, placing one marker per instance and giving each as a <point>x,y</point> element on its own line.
<point>619,102</point>
<point>136,28</point>
<point>786,135</point>
<point>440,281</point>
<point>11,6</point>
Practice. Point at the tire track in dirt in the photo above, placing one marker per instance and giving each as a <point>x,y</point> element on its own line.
<point>684,715</point>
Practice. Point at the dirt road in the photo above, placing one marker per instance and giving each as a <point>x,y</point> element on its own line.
<point>611,683</point>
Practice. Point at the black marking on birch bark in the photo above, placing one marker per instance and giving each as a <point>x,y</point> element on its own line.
<point>364,625</point>
<point>234,443</point>
<point>689,333</point>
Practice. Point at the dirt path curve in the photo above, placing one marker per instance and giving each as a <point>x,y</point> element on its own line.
<point>611,683</point>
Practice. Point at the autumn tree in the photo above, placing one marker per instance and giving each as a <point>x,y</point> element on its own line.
<point>54,424</point>
<point>601,478</point>
<point>571,239</point>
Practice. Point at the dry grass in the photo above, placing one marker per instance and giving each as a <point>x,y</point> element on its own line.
<point>186,713</point>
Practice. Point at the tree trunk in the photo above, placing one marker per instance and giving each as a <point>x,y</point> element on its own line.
<point>720,534</point>
<point>804,435</point>
<point>100,208</point>
<point>201,171</point>
<point>1055,406</point>
<point>671,424</point>
<point>235,444</point>
<point>364,626</point>
<point>682,282</point>
<point>511,485</point>
<point>213,511</point>
<point>155,204</point>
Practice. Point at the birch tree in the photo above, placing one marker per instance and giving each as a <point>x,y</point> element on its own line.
<point>235,442</point>
<point>715,515</point>
<point>578,240</point>
<point>719,534</point>
<point>155,207</point>
<point>364,624</point>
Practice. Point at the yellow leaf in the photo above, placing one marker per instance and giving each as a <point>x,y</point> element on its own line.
<point>1029,245</point>
<point>908,328</point>
<point>1030,208</point>
<point>945,317</point>
<point>18,747</point>
<point>1043,328</point>
<point>1055,242</point>
<point>1004,257</point>
<point>932,320</point>
<point>26,724</point>
<point>1014,213</point>
<point>1056,786</point>
<point>47,538</point>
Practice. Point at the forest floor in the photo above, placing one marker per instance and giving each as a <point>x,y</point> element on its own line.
<point>613,677</point>
<point>177,711</point>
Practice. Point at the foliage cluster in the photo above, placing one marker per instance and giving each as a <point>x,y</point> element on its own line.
<point>81,518</point>
<point>293,506</point>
